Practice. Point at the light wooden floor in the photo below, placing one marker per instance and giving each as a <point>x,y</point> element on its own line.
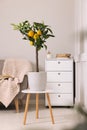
<point>64,117</point>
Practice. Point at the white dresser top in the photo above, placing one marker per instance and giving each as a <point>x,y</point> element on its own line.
<point>57,59</point>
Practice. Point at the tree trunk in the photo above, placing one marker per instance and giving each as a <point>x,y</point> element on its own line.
<point>37,65</point>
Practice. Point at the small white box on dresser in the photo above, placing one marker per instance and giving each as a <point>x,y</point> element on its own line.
<point>60,80</point>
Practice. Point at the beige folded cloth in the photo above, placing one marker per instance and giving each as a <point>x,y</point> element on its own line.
<point>5,77</point>
<point>12,75</point>
<point>16,68</point>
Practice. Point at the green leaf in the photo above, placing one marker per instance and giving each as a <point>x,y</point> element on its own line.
<point>50,30</point>
<point>24,38</point>
<point>45,46</point>
<point>15,27</point>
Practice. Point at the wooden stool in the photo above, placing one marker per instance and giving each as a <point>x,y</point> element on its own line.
<point>28,92</point>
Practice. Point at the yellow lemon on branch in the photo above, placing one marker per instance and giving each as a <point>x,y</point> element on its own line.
<point>31,33</point>
<point>36,36</point>
<point>31,43</point>
<point>39,32</point>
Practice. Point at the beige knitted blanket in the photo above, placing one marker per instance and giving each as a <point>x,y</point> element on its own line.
<point>12,75</point>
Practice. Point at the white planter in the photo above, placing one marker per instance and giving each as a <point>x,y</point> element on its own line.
<point>37,81</point>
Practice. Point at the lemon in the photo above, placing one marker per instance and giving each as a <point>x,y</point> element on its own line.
<point>36,36</point>
<point>31,43</point>
<point>39,32</point>
<point>31,33</point>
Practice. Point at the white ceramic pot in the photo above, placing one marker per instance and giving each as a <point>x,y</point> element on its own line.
<point>37,81</point>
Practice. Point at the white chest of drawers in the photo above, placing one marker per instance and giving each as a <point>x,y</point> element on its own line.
<point>60,80</point>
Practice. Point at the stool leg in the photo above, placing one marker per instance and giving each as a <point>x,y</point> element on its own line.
<point>48,98</point>
<point>26,108</point>
<point>37,101</point>
<point>16,104</point>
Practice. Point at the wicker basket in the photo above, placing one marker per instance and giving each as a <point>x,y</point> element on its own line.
<point>63,55</point>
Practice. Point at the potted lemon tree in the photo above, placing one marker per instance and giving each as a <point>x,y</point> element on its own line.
<point>36,34</point>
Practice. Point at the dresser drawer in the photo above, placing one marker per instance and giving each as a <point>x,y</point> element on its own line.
<point>60,100</point>
<point>60,65</point>
<point>59,77</point>
<point>60,87</point>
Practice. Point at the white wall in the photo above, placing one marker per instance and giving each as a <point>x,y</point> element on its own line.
<point>59,14</point>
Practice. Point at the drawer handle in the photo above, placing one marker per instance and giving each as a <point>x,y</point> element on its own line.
<point>58,73</point>
<point>59,96</point>
<point>58,62</point>
<point>59,84</point>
